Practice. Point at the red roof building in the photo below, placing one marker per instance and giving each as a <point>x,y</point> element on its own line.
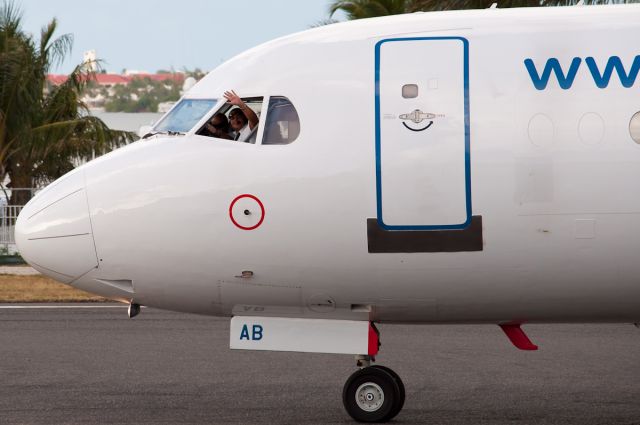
<point>177,77</point>
<point>56,80</point>
<point>109,80</point>
<point>112,79</point>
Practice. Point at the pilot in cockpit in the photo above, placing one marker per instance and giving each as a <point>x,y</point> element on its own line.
<point>218,126</point>
<point>243,120</point>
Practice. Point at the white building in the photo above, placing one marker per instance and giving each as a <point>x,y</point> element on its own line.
<point>89,59</point>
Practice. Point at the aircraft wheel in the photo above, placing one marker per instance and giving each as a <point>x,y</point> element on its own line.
<point>400,404</point>
<point>371,395</point>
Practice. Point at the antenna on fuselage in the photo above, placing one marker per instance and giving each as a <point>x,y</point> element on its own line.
<point>493,6</point>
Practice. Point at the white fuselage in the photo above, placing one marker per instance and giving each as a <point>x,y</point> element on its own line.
<point>552,173</point>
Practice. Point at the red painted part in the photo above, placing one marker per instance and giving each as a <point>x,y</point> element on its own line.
<point>373,340</point>
<point>246,195</point>
<point>517,337</point>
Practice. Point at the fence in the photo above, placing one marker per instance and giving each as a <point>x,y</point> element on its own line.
<point>8,216</point>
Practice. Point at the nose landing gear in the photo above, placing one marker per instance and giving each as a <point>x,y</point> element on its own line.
<point>373,393</point>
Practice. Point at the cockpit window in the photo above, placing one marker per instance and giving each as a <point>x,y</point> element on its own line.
<point>281,122</point>
<point>185,115</point>
<point>219,125</point>
<point>283,125</point>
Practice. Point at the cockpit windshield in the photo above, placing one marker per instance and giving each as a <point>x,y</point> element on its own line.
<point>185,115</point>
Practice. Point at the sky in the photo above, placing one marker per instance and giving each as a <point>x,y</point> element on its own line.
<point>149,35</point>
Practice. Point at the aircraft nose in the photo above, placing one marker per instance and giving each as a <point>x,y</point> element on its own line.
<point>53,231</point>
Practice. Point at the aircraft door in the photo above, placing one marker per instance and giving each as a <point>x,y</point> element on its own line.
<point>422,133</point>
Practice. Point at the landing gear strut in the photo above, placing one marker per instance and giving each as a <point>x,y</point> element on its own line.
<point>374,393</point>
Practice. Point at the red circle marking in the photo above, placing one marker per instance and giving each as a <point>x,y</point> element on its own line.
<point>246,195</point>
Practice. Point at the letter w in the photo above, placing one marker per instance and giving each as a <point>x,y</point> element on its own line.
<point>540,82</point>
<point>602,81</point>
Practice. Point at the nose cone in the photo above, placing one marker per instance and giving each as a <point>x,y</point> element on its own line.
<point>53,231</point>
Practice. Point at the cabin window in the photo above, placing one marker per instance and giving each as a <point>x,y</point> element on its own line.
<point>282,124</point>
<point>226,132</point>
<point>185,115</point>
<point>634,127</point>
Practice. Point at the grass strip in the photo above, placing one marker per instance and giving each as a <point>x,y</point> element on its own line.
<point>40,289</point>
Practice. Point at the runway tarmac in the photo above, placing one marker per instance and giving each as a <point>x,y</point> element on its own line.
<point>94,365</point>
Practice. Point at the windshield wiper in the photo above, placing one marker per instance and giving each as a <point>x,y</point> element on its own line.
<point>168,133</point>
<point>153,133</point>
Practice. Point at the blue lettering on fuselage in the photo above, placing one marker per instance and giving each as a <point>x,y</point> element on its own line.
<point>256,333</point>
<point>540,81</point>
<point>565,80</point>
<point>244,334</point>
<point>614,62</point>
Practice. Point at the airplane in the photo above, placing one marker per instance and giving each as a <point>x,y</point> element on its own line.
<point>467,167</point>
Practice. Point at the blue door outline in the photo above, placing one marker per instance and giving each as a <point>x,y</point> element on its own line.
<point>467,159</point>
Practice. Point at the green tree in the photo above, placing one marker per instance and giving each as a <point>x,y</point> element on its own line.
<point>196,73</point>
<point>358,9</point>
<point>429,5</point>
<point>142,94</point>
<point>44,131</point>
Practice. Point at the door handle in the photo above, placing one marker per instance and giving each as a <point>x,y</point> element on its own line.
<point>417,116</point>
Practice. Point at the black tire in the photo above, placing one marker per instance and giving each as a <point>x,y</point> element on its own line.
<point>400,402</point>
<point>370,395</point>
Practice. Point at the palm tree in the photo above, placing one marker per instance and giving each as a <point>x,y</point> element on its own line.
<point>358,9</point>
<point>428,5</point>
<point>431,5</point>
<point>44,132</point>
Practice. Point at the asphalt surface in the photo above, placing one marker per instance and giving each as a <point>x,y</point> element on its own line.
<point>94,365</point>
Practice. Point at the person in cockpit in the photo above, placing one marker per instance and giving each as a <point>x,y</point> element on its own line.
<point>242,119</point>
<point>218,126</point>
